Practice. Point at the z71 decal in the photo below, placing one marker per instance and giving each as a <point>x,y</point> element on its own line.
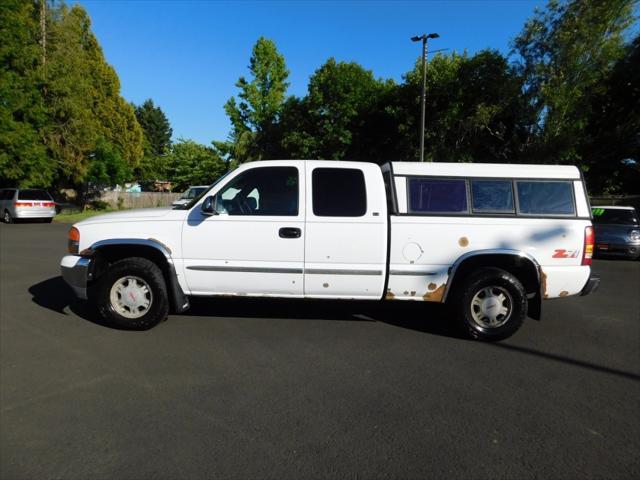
<point>562,253</point>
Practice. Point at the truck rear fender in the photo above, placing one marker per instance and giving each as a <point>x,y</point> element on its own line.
<point>520,264</point>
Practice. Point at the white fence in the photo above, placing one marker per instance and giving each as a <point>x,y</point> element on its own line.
<point>626,200</point>
<point>119,200</point>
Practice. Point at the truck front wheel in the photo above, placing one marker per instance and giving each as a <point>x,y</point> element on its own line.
<point>132,294</point>
<point>490,305</point>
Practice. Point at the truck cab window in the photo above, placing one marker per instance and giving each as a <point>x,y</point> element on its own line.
<point>261,191</point>
<point>339,192</point>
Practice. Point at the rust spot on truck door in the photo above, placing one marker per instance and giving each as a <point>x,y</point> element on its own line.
<point>432,286</point>
<point>564,293</point>
<point>434,295</point>
<point>463,242</point>
<point>389,295</point>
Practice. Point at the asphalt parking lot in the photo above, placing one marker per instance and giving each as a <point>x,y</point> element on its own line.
<point>282,389</point>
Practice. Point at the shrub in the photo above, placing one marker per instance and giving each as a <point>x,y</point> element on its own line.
<point>98,205</point>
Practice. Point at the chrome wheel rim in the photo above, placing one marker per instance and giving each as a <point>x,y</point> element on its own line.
<point>491,307</point>
<point>131,297</point>
<point>7,217</point>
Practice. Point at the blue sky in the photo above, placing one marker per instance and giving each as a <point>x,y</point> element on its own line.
<point>187,55</point>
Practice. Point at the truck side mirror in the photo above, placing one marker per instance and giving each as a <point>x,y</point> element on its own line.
<point>208,207</point>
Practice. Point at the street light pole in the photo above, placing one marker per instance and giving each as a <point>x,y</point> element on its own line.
<point>424,95</point>
<point>424,39</point>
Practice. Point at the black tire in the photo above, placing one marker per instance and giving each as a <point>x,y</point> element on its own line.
<point>6,217</point>
<point>144,270</point>
<point>488,286</point>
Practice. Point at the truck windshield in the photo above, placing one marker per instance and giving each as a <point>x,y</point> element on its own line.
<point>614,216</point>
<point>187,206</point>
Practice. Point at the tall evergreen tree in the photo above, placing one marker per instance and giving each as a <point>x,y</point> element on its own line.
<point>156,128</point>
<point>23,156</point>
<point>83,98</point>
<point>157,141</point>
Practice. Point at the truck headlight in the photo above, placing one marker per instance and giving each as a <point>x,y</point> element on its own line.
<point>634,235</point>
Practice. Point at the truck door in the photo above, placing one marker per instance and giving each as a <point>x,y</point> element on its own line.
<point>255,244</point>
<point>346,231</point>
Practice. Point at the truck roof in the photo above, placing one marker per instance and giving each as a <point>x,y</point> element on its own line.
<point>486,170</point>
<point>490,170</point>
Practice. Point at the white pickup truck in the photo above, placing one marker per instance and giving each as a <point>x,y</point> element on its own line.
<point>491,241</point>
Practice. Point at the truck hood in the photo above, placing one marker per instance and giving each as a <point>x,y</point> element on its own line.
<point>133,215</point>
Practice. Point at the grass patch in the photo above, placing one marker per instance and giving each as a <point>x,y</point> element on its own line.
<point>76,217</point>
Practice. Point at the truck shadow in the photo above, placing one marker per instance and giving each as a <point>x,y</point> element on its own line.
<point>419,316</point>
<point>54,294</point>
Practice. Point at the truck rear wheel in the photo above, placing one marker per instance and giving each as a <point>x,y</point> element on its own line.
<point>490,305</point>
<point>132,294</point>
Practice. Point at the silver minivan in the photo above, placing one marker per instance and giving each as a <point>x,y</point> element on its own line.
<point>26,203</point>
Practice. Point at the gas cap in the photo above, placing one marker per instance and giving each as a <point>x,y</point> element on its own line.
<point>412,252</point>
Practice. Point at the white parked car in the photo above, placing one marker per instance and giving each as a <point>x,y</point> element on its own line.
<point>26,204</point>
<point>189,194</point>
<point>491,241</point>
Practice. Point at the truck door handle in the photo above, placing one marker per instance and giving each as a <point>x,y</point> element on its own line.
<point>290,232</point>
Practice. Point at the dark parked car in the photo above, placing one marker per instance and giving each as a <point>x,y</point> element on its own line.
<point>617,231</point>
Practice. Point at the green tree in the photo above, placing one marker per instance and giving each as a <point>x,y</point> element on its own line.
<point>474,110</point>
<point>156,128</point>
<point>610,146</point>
<point>566,52</point>
<point>107,167</point>
<point>157,140</point>
<point>73,129</point>
<point>443,110</point>
<point>23,156</point>
<point>190,163</point>
<point>331,121</point>
<point>255,116</point>
<point>83,98</point>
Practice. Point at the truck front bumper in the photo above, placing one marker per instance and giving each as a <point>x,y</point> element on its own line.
<point>591,286</point>
<point>75,271</point>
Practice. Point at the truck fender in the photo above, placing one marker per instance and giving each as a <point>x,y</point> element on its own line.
<point>179,301</point>
<point>534,298</point>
